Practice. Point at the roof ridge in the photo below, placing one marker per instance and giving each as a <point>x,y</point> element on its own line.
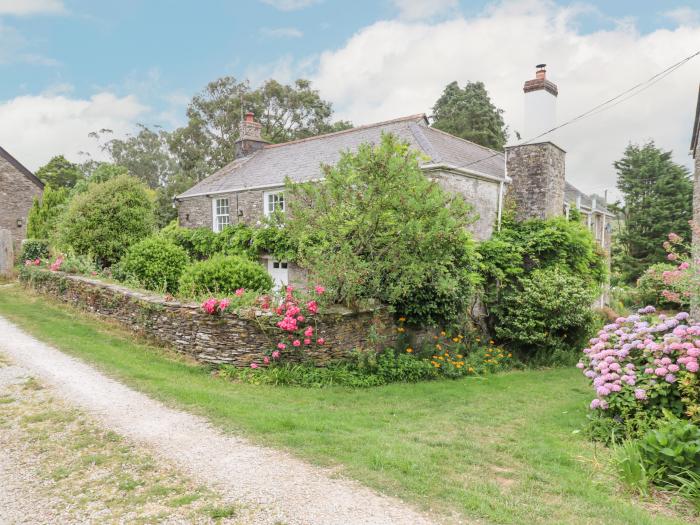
<point>21,168</point>
<point>416,116</point>
<point>424,142</point>
<point>465,140</point>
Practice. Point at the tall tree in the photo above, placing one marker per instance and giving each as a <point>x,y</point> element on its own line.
<point>469,113</point>
<point>286,112</point>
<point>59,172</point>
<point>658,195</point>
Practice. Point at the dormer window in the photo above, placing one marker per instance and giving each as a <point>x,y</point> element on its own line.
<point>273,202</point>
<point>220,213</point>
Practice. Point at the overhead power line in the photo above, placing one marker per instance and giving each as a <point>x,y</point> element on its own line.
<point>603,106</point>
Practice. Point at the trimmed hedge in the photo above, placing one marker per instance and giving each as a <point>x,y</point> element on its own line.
<point>223,275</point>
<point>156,263</point>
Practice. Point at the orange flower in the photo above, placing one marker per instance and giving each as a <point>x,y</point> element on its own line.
<point>409,350</point>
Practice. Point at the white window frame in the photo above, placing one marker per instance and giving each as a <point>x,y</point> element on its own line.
<point>266,202</point>
<point>218,225</point>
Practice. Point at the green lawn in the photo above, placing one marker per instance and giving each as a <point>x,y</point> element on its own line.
<point>501,449</point>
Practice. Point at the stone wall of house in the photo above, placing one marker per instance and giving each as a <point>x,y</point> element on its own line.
<point>231,339</point>
<point>7,258</point>
<point>537,172</point>
<point>196,212</point>
<point>480,193</point>
<point>17,194</point>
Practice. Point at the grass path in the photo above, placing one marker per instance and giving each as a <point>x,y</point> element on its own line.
<point>503,449</point>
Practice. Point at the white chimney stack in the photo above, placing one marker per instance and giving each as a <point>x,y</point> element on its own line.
<point>540,105</point>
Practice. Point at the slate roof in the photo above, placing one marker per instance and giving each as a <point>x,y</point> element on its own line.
<point>20,167</point>
<point>301,160</point>
<point>571,195</point>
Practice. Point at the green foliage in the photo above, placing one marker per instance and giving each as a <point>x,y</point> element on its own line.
<point>651,285</point>
<point>199,243</point>
<point>156,263</point>
<point>273,238</point>
<point>540,280</point>
<point>630,467</point>
<point>469,113</point>
<point>377,228</point>
<point>658,195</point>
<point>107,219</point>
<point>45,213</point>
<point>235,239</point>
<point>106,171</point>
<point>546,315</point>
<point>671,451</point>
<point>34,249</point>
<point>59,173</point>
<point>222,274</point>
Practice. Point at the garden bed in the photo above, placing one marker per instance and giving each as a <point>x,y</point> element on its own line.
<point>235,338</point>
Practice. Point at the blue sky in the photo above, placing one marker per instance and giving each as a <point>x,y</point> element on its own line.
<point>78,63</point>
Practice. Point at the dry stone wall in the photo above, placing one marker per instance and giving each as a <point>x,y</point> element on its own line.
<point>229,339</point>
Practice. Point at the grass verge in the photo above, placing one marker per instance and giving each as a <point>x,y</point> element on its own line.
<point>500,449</point>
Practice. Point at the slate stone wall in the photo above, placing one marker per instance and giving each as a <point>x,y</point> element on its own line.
<point>16,197</point>
<point>537,172</point>
<point>231,339</point>
<point>196,212</point>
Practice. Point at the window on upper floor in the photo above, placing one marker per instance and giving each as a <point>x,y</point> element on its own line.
<point>220,212</point>
<point>273,201</point>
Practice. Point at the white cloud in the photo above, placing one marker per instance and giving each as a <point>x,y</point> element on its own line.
<point>684,16</point>
<point>394,68</point>
<point>281,32</point>
<point>424,9</point>
<point>290,5</point>
<point>36,127</point>
<point>31,7</point>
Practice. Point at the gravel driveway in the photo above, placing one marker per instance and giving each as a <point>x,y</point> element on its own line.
<point>282,488</point>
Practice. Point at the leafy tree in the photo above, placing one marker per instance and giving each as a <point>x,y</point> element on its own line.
<point>377,228</point>
<point>286,112</point>
<point>658,196</point>
<point>108,218</point>
<point>469,113</point>
<point>60,173</point>
<point>45,213</point>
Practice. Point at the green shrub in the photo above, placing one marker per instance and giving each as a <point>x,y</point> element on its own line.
<point>235,239</point>
<point>46,212</point>
<point>108,218</point>
<point>223,274</point>
<point>547,316</point>
<point>672,450</point>
<point>378,228</point>
<point>79,264</point>
<point>651,285</point>
<point>156,263</point>
<point>199,243</point>
<point>34,249</point>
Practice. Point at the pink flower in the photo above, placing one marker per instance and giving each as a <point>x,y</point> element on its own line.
<point>692,366</point>
<point>309,331</point>
<point>684,266</point>
<point>300,318</point>
<point>640,394</point>
<point>240,292</point>
<point>319,289</point>
<point>320,340</point>
<point>296,342</point>
<point>281,346</point>
<point>253,365</point>
<point>56,265</point>
<point>312,306</point>
<point>223,304</point>
<point>210,306</point>
<point>266,360</point>
<point>307,341</point>
<point>276,354</point>
<point>672,256</point>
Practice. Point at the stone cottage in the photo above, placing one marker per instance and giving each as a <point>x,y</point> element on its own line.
<point>18,187</point>
<point>532,175</point>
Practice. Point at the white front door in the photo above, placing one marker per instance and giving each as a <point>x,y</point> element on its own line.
<point>279,272</point>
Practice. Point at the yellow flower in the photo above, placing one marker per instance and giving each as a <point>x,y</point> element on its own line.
<point>460,336</point>
<point>402,319</point>
<point>437,365</point>
<point>400,329</point>
<point>471,369</point>
<point>490,341</point>
<point>460,356</point>
<point>438,346</point>
<point>510,355</point>
<point>455,339</point>
<point>442,334</point>
<point>409,350</point>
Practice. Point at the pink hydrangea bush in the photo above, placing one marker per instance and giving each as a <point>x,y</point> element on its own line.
<point>637,364</point>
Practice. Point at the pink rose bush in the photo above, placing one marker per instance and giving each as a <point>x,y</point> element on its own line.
<point>214,306</point>
<point>637,364</point>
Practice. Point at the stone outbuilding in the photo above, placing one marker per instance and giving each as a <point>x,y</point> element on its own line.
<point>18,187</point>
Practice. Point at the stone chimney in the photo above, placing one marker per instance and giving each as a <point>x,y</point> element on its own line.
<point>537,169</point>
<point>250,139</point>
